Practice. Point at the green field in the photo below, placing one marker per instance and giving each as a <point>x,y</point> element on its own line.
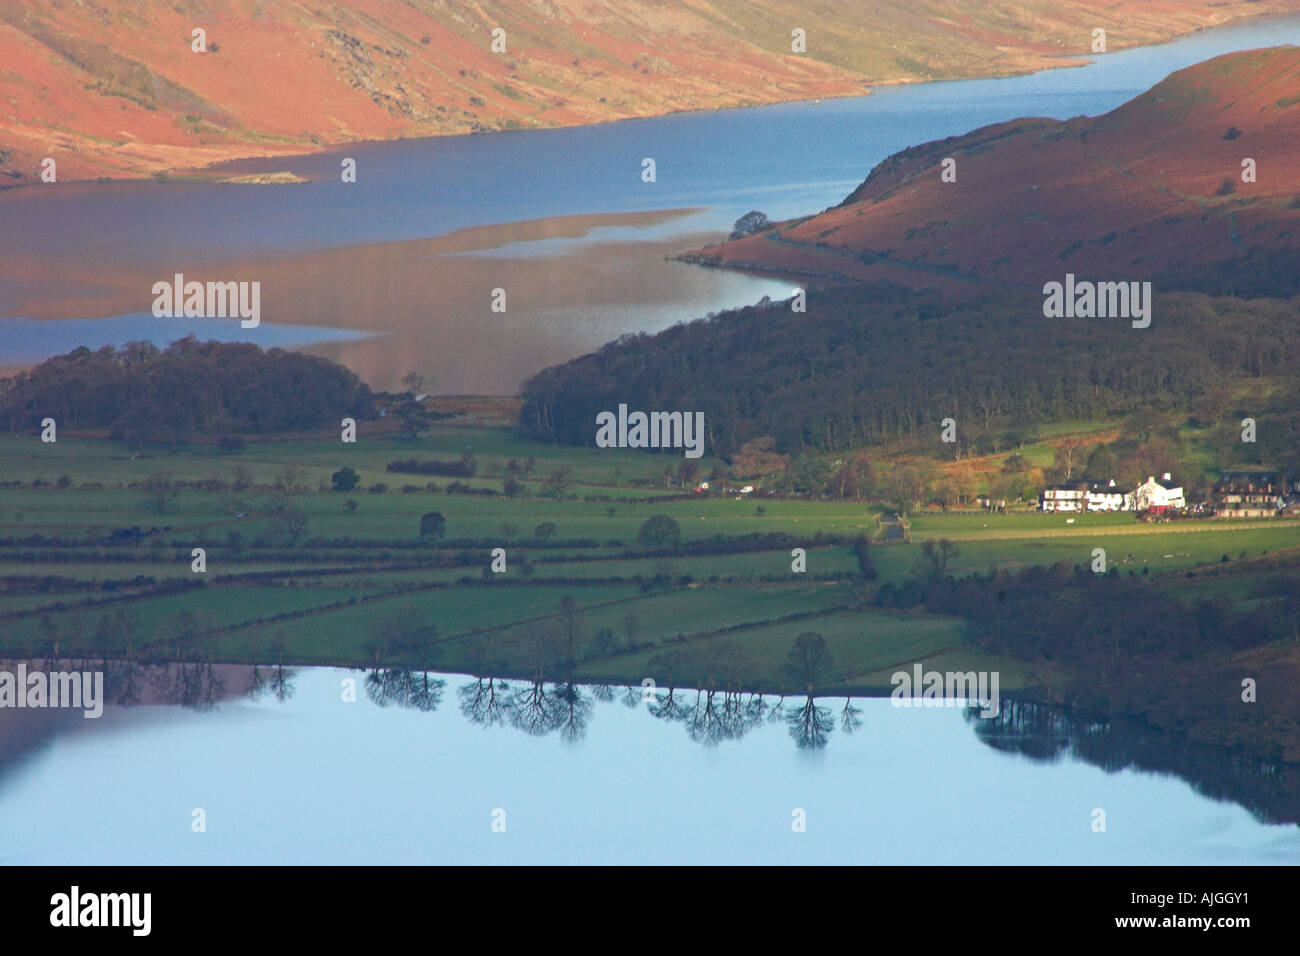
<point>356,585</point>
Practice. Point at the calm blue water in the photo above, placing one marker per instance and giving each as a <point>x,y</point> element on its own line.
<point>788,159</point>
<point>317,780</point>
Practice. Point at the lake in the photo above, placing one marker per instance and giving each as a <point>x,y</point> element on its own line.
<point>403,263</point>
<point>583,775</point>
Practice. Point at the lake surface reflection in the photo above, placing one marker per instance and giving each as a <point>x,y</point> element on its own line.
<point>288,769</point>
<point>559,218</point>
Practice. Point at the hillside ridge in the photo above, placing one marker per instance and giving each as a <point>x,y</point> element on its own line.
<point>1154,190</point>
<point>114,88</point>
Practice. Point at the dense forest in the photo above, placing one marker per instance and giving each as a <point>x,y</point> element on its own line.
<point>189,390</point>
<point>865,366</point>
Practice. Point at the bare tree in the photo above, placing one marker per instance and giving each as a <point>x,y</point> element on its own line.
<point>1067,451</point>
<point>485,701</point>
<point>850,716</point>
<point>290,481</point>
<point>160,490</point>
<point>810,725</point>
<point>573,712</point>
<point>536,711</point>
<point>938,554</point>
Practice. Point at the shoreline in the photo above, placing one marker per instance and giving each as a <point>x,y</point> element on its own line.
<point>432,321</point>
<point>211,172</point>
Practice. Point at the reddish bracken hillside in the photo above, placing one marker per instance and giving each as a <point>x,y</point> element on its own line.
<point>1152,190</point>
<point>113,87</point>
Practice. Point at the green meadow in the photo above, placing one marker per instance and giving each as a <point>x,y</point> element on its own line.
<point>94,563</point>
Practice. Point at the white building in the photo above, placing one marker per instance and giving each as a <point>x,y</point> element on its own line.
<point>1068,498</point>
<point>1107,496</point>
<point>1158,495</point>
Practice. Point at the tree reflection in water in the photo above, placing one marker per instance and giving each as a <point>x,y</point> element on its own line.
<point>534,710</point>
<point>810,725</point>
<point>195,686</point>
<point>710,716</point>
<point>850,717</point>
<point>1269,789</point>
<point>417,690</point>
<point>281,685</point>
<point>667,707</point>
<point>574,711</point>
<point>485,701</point>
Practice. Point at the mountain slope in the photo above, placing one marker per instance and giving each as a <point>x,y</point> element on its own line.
<point>1150,191</point>
<point>112,87</point>
<point>928,297</point>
